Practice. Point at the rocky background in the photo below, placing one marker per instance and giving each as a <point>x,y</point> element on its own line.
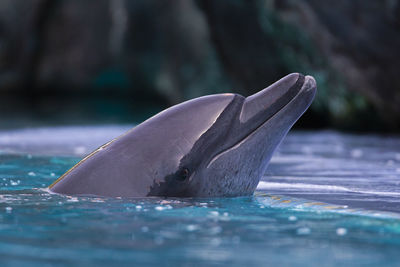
<point>99,61</point>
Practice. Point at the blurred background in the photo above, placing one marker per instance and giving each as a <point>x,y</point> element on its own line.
<point>121,61</point>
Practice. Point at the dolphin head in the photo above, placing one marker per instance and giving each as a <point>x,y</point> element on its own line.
<point>217,145</point>
<point>232,155</point>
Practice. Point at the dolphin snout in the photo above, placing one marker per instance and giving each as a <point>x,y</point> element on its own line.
<point>309,83</point>
<point>273,98</point>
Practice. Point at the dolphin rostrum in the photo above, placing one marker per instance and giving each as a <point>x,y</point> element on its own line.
<point>212,146</point>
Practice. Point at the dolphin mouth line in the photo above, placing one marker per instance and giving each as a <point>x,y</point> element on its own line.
<point>303,88</point>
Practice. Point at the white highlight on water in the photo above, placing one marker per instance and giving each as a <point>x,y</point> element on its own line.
<point>214,213</point>
<point>341,231</point>
<point>303,231</point>
<point>262,185</point>
<point>12,182</point>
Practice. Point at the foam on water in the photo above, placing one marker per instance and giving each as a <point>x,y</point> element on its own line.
<point>320,188</point>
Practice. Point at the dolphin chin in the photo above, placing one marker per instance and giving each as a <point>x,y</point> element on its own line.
<point>212,146</point>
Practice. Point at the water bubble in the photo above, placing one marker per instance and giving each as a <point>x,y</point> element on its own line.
<point>292,218</point>
<point>166,207</point>
<point>8,209</point>
<point>52,174</point>
<point>303,231</point>
<point>191,227</point>
<point>144,229</point>
<point>138,207</point>
<point>31,174</point>
<point>29,156</point>
<point>12,182</point>
<point>341,231</point>
<point>72,199</point>
<point>226,214</point>
<point>97,200</point>
<point>163,202</point>
<point>214,213</point>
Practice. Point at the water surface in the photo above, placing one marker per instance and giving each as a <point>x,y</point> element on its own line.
<point>326,199</point>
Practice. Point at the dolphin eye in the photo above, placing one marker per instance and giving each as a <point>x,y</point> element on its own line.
<point>183,174</point>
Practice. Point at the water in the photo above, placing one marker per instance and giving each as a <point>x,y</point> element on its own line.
<point>327,199</point>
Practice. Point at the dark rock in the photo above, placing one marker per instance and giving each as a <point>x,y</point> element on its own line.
<point>62,55</point>
<point>360,40</point>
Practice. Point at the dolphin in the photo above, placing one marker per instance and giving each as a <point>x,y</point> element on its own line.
<point>212,146</point>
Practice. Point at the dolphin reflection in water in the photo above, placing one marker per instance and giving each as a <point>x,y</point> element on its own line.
<point>212,146</point>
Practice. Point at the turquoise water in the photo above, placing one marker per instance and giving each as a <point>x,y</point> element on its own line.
<point>327,199</point>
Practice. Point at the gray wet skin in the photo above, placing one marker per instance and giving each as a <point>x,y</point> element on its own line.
<point>211,146</point>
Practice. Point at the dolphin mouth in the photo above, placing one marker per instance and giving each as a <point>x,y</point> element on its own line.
<point>261,107</point>
<point>270,100</point>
